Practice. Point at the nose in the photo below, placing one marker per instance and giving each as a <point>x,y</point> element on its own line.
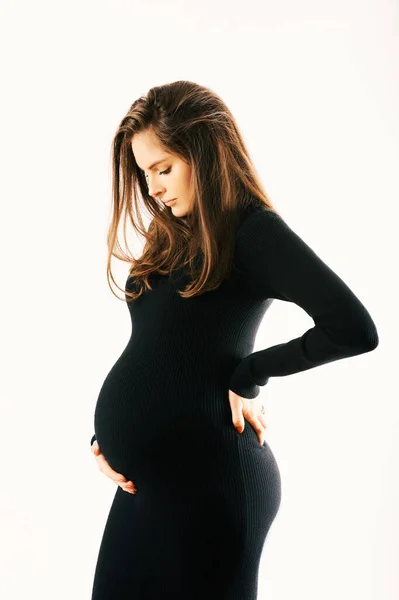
<point>155,189</point>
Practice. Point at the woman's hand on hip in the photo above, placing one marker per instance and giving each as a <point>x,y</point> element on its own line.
<point>250,409</point>
<point>118,478</point>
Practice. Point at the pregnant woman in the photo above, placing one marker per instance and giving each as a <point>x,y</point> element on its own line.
<point>177,422</point>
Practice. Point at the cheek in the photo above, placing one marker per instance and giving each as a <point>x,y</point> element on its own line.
<point>187,181</point>
<point>180,183</point>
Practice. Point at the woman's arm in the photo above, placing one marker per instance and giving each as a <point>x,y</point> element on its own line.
<point>279,264</point>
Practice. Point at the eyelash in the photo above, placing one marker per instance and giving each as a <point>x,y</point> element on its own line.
<point>166,172</point>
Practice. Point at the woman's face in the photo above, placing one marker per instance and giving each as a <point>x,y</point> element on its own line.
<point>167,180</point>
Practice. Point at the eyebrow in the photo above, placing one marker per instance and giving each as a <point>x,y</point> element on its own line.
<point>155,163</point>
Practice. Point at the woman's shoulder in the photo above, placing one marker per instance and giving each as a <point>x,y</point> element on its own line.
<point>253,213</point>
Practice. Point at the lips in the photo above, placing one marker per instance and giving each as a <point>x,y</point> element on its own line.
<point>168,201</point>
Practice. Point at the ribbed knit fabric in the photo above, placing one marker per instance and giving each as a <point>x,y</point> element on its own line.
<point>207,495</point>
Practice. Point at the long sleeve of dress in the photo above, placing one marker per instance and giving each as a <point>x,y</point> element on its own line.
<point>279,264</point>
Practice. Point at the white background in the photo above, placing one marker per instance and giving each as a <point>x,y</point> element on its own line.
<point>314,88</point>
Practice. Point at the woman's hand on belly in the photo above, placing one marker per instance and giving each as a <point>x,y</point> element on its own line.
<point>118,478</point>
<point>250,409</point>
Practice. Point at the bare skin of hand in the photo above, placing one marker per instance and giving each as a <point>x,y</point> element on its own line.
<point>248,409</point>
<point>241,408</point>
<point>118,478</point>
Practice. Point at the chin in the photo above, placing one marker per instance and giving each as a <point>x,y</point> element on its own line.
<point>179,211</point>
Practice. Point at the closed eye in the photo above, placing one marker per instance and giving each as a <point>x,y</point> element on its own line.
<point>166,172</point>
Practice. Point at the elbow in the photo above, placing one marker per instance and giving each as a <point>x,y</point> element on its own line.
<point>368,336</point>
<point>372,340</point>
<point>359,332</point>
<point>365,339</point>
<point>350,341</point>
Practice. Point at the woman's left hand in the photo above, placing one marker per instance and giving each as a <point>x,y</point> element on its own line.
<point>251,410</point>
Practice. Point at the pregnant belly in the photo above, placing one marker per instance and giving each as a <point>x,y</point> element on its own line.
<point>161,435</point>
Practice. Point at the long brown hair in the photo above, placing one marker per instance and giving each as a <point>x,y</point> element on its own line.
<point>192,122</point>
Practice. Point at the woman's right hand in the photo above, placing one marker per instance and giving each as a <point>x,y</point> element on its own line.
<point>118,478</point>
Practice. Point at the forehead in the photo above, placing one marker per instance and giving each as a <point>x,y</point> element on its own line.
<point>147,151</point>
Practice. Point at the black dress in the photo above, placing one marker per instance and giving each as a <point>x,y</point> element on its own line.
<point>207,495</point>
